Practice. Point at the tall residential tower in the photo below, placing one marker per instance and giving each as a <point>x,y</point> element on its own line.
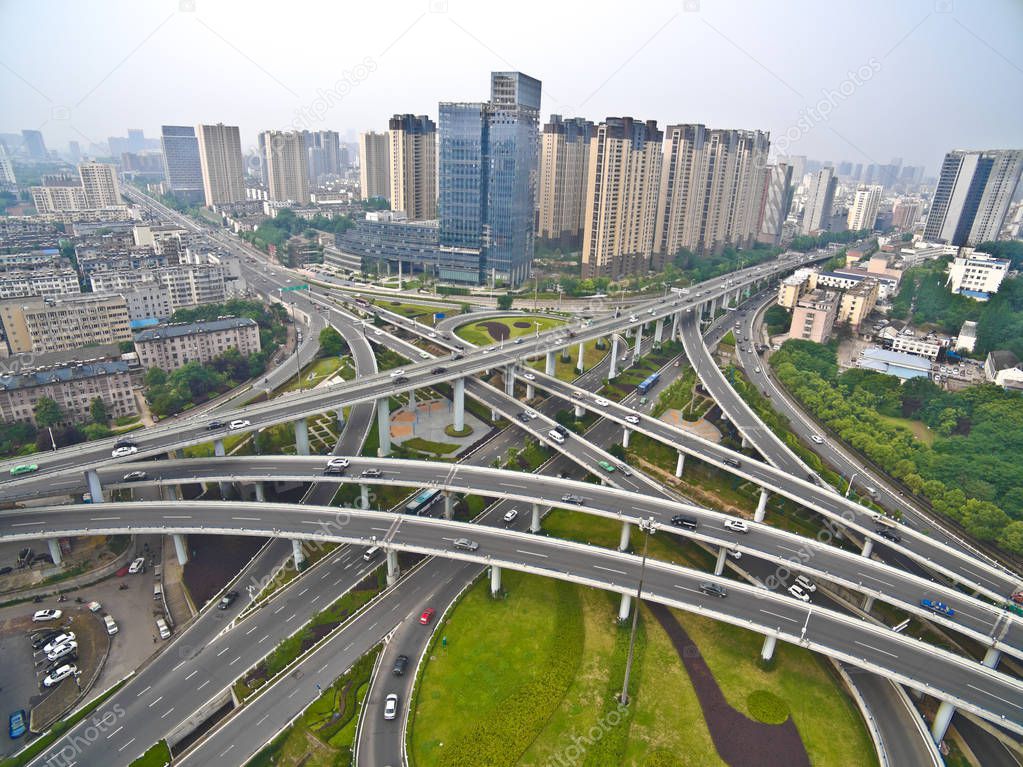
<point>220,155</point>
<point>287,165</point>
<point>374,179</point>
<point>564,162</point>
<point>413,166</point>
<point>819,202</point>
<point>182,168</point>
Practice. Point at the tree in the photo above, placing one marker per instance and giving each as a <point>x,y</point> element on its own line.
<point>98,411</point>
<point>505,302</point>
<point>48,412</point>
<point>331,343</point>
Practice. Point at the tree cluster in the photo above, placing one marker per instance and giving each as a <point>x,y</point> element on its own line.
<point>196,382</point>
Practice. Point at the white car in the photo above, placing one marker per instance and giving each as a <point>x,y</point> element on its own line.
<point>816,440</point>
<point>391,706</point>
<point>396,373</point>
<point>121,452</point>
<point>531,414</point>
<point>798,593</point>
<point>601,401</point>
<point>378,332</point>
<point>632,418</point>
<point>510,516</point>
<point>632,318</point>
<point>529,376</point>
<point>57,676</point>
<point>57,641</point>
<point>805,583</point>
<point>736,525</point>
<point>238,424</point>
<point>41,616</point>
<point>424,355</point>
<point>137,566</point>
<point>62,651</point>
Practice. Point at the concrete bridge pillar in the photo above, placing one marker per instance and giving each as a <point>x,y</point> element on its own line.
<point>393,571</point>
<point>637,350</point>
<point>623,608</point>
<point>384,427</point>
<point>550,365</point>
<point>758,516</point>
<point>449,505</point>
<point>534,522</point>
<point>218,448</point>
<point>495,580</point>
<point>745,442</point>
<point>95,487</point>
<point>579,412</point>
<point>680,464</point>
<point>868,547</point>
<point>364,497</point>
<point>991,657</point>
<point>260,492</point>
<point>613,370</point>
<point>509,380</point>
<point>340,419</point>
<point>767,651</point>
<point>180,548</point>
<point>941,721</point>
<point>719,565</point>
<point>623,541</point>
<point>658,331</point>
<point>458,394</point>
<point>868,603</point>
<point>530,391</point>
<point>298,553</point>
<point>626,433</point>
<point>676,326</point>
<point>579,366</point>
<point>54,546</point>
<point>302,436</point>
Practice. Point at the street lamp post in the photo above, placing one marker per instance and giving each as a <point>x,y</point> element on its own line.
<point>849,486</point>
<point>647,526</point>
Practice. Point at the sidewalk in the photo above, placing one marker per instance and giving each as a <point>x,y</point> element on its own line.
<point>179,603</point>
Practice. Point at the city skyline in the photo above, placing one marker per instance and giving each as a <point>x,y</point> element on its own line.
<point>872,97</point>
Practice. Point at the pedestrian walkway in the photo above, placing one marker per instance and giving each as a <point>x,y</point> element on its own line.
<point>701,428</point>
<point>428,419</point>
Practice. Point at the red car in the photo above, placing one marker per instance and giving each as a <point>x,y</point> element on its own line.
<point>427,616</point>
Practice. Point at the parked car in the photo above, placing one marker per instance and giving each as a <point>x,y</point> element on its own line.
<point>239,423</point>
<point>798,593</point>
<point>137,566</point>
<point>110,624</point>
<point>41,616</point>
<point>62,638</point>
<point>427,616</point>
<point>66,650</point>
<point>162,628</point>
<point>465,544</point>
<point>736,525</point>
<point>937,607</point>
<point>123,452</point>
<point>58,675</point>
<point>713,589</point>
<point>227,600</point>
<point>400,664</point>
<point>94,606</point>
<point>391,706</point>
<point>16,726</point>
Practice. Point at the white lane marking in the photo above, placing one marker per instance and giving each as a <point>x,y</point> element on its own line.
<point>155,701</point>
<point>177,516</point>
<point>293,692</point>
<point>347,646</point>
<point>223,651</point>
<point>783,617</point>
<point>609,569</point>
<point>102,519</point>
<point>226,750</point>
<point>265,717</point>
<point>203,685</point>
<point>323,667</point>
<point>346,567</point>
<point>279,609</point>
<point>381,529</point>
<point>247,519</point>
<point>315,599</point>
<point>997,697</point>
<point>150,687</point>
<point>532,553</point>
<point>251,630</point>
<point>26,524</point>
<point>290,618</point>
<point>125,745</point>
<point>875,649</point>
<point>167,713</point>
<point>235,661</point>
<point>338,581</point>
<point>686,588</point>
<point>303,591</point>
<point>874,578</point>
<point>191,675</point>
<point>115,732</point>
<point>265,637</point>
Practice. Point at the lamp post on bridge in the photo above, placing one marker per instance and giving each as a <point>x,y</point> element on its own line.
<point>647,526</point>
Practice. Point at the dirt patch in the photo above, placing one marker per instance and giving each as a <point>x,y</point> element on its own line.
<point>522,324</point>
<point>497,330</point>
<point>213,560</point>
<point>739,740</point>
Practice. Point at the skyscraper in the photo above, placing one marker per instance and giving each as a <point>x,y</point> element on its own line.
<point>487,181</point>
<point>374,166</point>
<point>220,155</point>
<point>863,211</point>
<point>324,149</point>
<point>287,165</point>
<point>34,145</point>
<point>711,189</point>
<point>819,202</point>
<point>413,166</point>
<point>973,195</point>
<point>182,168</point>
<point>777,200</point>
<point>99,185</point>
<point>621,197</point>
<point>564,162</point>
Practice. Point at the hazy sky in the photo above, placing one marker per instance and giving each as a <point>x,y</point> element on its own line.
<point>863,80</point>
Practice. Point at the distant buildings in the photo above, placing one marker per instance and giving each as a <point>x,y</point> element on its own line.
<point>923,347</point>
<point>186,284</point>
<point>819,202</point>
<point>977,275</point>
<point>53,324</point>
<point>170,347</point>
<point>220,157</point>
<point>864,207</point>
<point>33,144</point>
<point>98,188</point>
<point>7,177</point>
<point>182,168</point>
<point>972,196</point>
<point>1003,368</point>
<point>906,212</point>
<point>412,146</point>
<point>775,204</point>
<point>374,165</point>
<point>72,387</point>
<point>286,161</point>
<point>813,316</point>
<point>19,283</point>
<point>564,166</point>
<point>324,154</point>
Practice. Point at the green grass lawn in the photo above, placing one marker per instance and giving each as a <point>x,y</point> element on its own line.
<point>423,314</point>
<point>157,756</point>
<point>477,333</point>
<point>313,374</point>
<point>919,429</point>
<point>428,446</point>
<point>566,371</point>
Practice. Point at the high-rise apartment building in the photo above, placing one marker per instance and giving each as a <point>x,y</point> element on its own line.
<point>324,150</point>
<point>819,201</point>
<point>564,165</point>
<point>33,144</point>
<point>487,182</point>
<point>863,211</point>
<point>287,165</point>
<point>621,197</point>
<point>711,189</point>
<point>220,156</point>
<point>906,212</point>
<point>374,165</point>
<point>775,204</point>
<point>973,195</point>
<point>99,184</point>
<point>182,168</point>
<point>7,177</point>
<point>413,166</point>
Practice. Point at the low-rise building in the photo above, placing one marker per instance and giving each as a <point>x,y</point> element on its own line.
<point>967,339</point>
<point>73,387</point>
<point>899,364</point>
<point>52,324</point>
<point>813,316</point>
<point>920,346</point>
<point>19,283</point>
<point>792,287</point>
<point>170,347</point>
<point>1003,368</point>
<point>857,303</point>
<point>188,284</point>
<point>977,275</point>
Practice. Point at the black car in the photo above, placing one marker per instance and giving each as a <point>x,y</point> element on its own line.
<point>888,534</point>
<point>401,380</point>
<point>400,664</point>
<point>124,442</point>
<point>213,425</point>
<point>713,589</point>
<point>732,462</point>
<point>561,430</point>
<point>458,357</point>
<point>438,371</point>
<point>6,569</point>
<point>680,520</point>
<point>523,417</point>
<point>227,600</point>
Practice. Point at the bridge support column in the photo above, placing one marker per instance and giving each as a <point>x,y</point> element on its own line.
<point>384,427</point>
<point>579,366</point>
<point>550,366</point>
<point>220,452</point>
<point>719,565</point>
<point>260,492</point>
<point>393,571</point>
<point>623,541</point>
<point>302,436</point>
<point>54,545</point>
<point>941,721</point>
<point>340,419</point>
<point>680,464</point>
<point>758,515</point>
<point>458,394</point>
<point>495,580</point>
<point>579,412</point>
<point>868,603</point>
<point>298,553</point>
<point>509,380</point>
<point>626,433</point>
<point>364,497</point>
<point>449,505</point>
<point>95,488</point>
<point>637,350</point>
<point>613,370</point>
<point>169,493</point>
<point>767,651</point>
<point>180,548</point>
<point>658,331</point>
<point>623,608</point>
<point>218,448</point>
<point>534,522</point>
<point>530,391</point>
<point>868,547</point>
<point>991,657</point>
<point>676,326</point>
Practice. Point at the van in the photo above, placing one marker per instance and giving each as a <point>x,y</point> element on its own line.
<point>110,624</point>
<point>162,628</point>
<point>371,553</point>
<point>556,437</point>
<point>157,592</point>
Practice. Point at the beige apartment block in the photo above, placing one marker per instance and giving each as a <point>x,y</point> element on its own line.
<point>170,347</point>
<point>55,324</point>
<point>73,387</point>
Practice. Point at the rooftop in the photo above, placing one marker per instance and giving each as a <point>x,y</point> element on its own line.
<point>191,328</point>
<point>43,376</point>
